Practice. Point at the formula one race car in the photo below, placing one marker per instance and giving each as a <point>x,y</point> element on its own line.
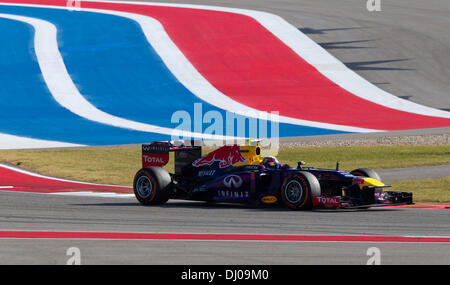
<point>237,174</point>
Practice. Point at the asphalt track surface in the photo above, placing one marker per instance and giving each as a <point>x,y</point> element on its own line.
<point>395,174</point>
<point>403,49</point>
<point>39,228</point>
<point>37,212</point>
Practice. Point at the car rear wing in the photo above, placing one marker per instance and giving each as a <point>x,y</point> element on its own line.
<point>157,154</point>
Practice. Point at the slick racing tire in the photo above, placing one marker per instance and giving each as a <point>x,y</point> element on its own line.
<point>152,186</point>
<point>366,172</point>
<point>297,190</point>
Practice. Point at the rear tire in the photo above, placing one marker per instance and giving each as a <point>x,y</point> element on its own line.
<point>152,186</point>
<point>297,190</point>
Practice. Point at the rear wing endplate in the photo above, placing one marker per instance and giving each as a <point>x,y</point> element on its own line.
<point>157,154</point>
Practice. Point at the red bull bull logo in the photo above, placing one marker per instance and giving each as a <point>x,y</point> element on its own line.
<point>226,155</point>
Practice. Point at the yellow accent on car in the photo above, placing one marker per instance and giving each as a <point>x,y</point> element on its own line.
<point>371,182</point>
<point>269,199</point>
<point>252,153</point>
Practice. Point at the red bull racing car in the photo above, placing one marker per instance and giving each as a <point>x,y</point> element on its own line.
<point>238,174</point>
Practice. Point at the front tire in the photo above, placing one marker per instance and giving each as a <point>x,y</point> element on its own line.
<point>366,172</point>
<point>152,186</point>
<point>370,173</point>
<point>297,190</point>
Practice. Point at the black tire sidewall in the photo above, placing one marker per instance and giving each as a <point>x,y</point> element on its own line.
<point>305,202</point>
<point>161,184</point>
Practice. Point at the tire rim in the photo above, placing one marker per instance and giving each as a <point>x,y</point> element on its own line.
<point>144,187</point>
<point>294,192</point>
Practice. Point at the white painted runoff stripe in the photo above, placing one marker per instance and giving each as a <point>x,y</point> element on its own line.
<point>318,57</point>
<point>191,78</point>
<point>16,142</point>
<point>6,187</point>
<point>300,43</point>
<point>65,92</point>
<point>29,173</point>
<point>93,194</point>
<point>182,69</point>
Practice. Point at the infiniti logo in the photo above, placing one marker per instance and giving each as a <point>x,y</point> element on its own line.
<point>232,180</point>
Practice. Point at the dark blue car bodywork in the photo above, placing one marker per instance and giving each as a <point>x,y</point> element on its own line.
<point>281,184</point>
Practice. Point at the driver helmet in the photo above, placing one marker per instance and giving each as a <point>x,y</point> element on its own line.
<point>271,161</point>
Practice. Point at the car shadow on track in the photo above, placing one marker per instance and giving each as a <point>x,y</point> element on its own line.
<point>225,206</point>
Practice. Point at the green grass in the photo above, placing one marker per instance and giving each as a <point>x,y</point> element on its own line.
<point>367,156</point>
<point>119,165</point>
<point>99,165</point>
<point>425,190</point>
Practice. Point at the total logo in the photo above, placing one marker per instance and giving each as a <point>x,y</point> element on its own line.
<point>153,159</point>
<point>234,181</point>
<point>327,201</point>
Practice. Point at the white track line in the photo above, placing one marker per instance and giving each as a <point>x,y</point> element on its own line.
<point>94,194</point>
<point>318,57</point>
<point>66,93</point>
<point>16,142</point>
<point>29,173</point>
<point>191,78</point>
<point>291,36</point>
<point>75,193</point>
<point>69,97</point>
